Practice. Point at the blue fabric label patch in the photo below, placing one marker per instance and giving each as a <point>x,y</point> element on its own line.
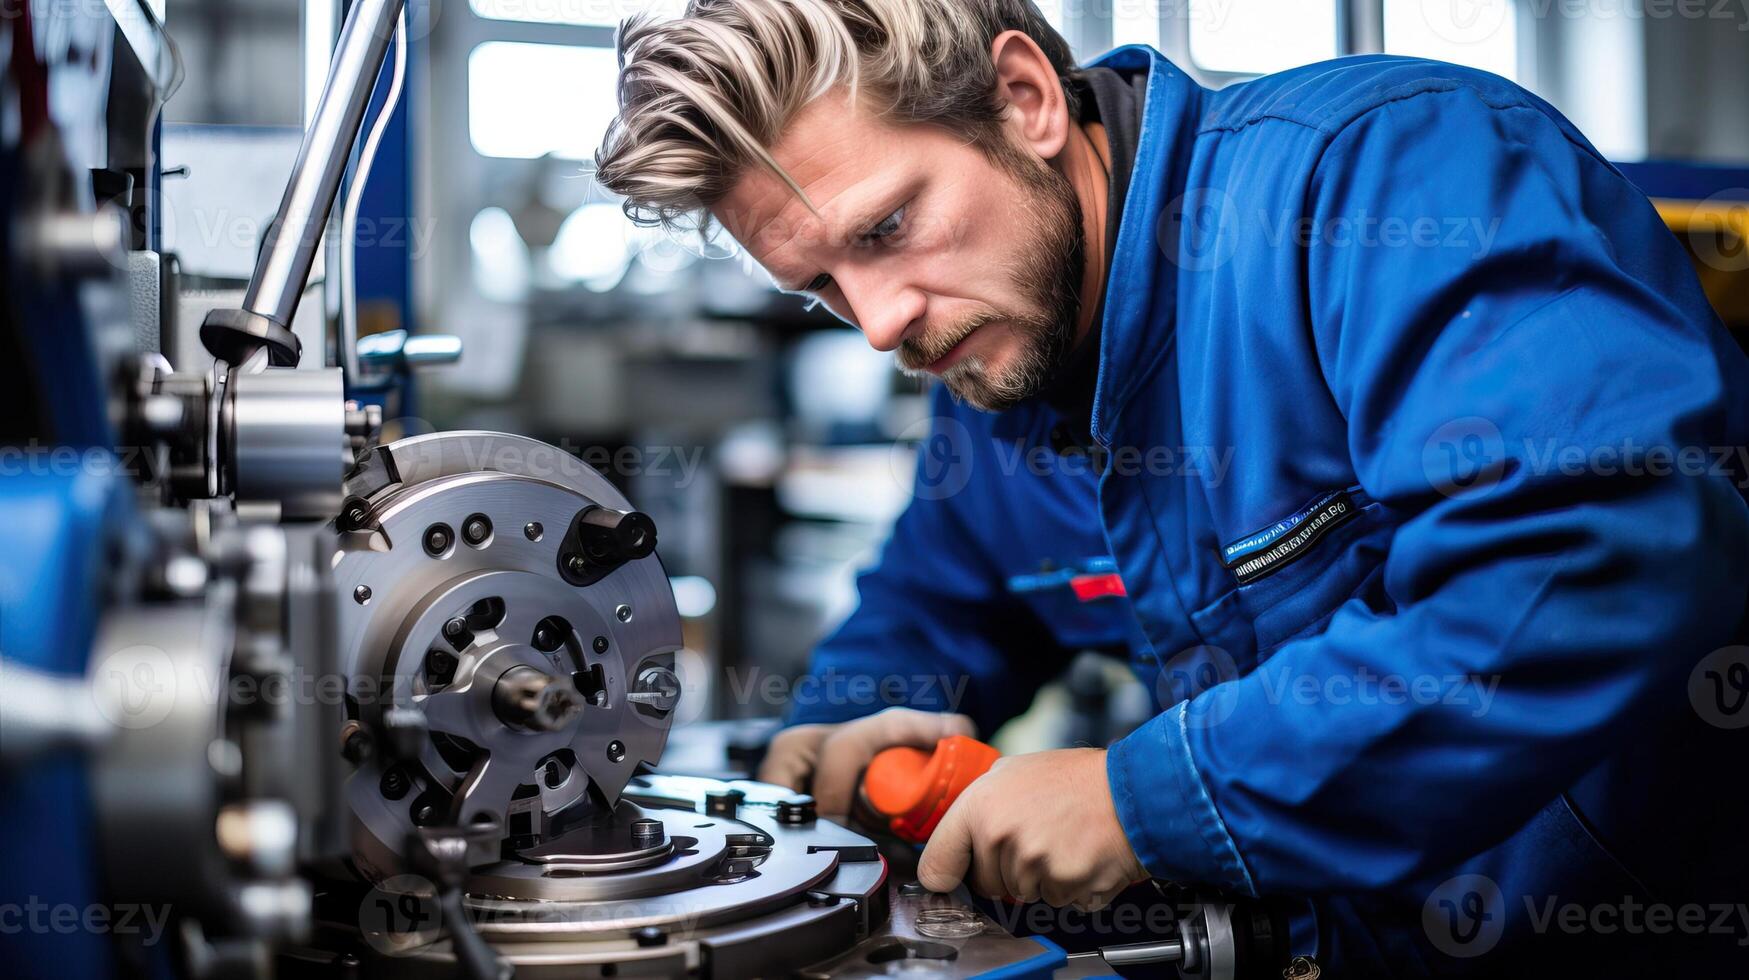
<point>1261,552</point>
<point>1059,578</point>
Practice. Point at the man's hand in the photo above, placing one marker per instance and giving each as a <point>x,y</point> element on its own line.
<point>1035,827</point>
<point>834,756</point>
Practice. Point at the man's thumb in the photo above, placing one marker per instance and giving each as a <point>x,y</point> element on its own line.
<point>949,854</point>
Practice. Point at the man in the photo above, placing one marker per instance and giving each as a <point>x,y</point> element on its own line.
<point>1370,409</point>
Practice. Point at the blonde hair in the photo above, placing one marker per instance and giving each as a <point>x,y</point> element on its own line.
<point>703,97</point>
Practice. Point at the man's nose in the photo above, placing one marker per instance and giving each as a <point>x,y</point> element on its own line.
<point>885,311</point>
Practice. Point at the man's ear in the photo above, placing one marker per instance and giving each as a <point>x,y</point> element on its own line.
<point>1025,81</point>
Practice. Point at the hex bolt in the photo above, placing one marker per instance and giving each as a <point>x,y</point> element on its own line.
<point>533,531</point>
<point>361,595</point>
<point>647,833</point>
<point>623,613</point>
<point>456,628</point>
<point>616,751</point>
<point>395,783</point>
<point>600,644</point>
<point>357,746</point>
<point>723,803</point>
<point>476,529</point>
<point>647,936</point>
<point>440,666</point>
<point>656,688</point>
<point>796,810</point>
<point>438,538</point>
<point>577,564</point>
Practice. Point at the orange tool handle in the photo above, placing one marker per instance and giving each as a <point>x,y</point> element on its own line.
<point>911,789</point>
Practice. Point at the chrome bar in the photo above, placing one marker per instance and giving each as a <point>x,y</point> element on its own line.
<point>283,267</point>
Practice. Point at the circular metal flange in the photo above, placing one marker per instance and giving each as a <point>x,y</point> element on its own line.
<point>445,625</point>
<point>722,871</point>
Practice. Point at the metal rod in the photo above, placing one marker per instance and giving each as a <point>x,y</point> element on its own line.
<point>284,264</point>
<point>1164,951</point>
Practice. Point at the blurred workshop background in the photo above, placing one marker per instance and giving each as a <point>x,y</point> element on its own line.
<point>769,443</point>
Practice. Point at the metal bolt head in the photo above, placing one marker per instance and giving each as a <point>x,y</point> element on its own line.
<point>361,595</point>
<point>577,564</point>
<point>437,540</point>
<point>357,747</point>
<point>455,627</point>
<point>623,613</point>
<point>440,666</point>
<point>476,529</point>
<point>532,530</point>
<point>600,644</point>
<point>648,936</point>
<point>723,803</point>
<point>616,751</point>
<point>395,783</point>
<point>796,810</point>
<point>656,687</point>
<point>647,833</point>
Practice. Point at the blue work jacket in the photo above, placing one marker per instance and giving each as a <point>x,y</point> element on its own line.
<point>1417,499</point>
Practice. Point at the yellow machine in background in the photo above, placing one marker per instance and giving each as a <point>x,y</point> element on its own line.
<point>1716,235</point>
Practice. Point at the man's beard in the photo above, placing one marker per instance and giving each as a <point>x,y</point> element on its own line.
<point>1048,274</point>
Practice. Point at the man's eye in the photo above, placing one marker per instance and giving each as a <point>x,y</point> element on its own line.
<point>818,283</point>
<point>887,228</point>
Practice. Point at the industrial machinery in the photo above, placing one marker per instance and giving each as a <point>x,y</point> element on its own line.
<point>277,699</point>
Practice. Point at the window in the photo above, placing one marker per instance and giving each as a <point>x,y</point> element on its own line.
<point>529,100</point>
<point>1255,37</point>
<point>1478,33</point>
<point>586,13</point>
<point>1135,22</point>
<point>1053,11</point>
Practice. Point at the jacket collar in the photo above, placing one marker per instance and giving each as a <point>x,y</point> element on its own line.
<point>1141,289</point>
